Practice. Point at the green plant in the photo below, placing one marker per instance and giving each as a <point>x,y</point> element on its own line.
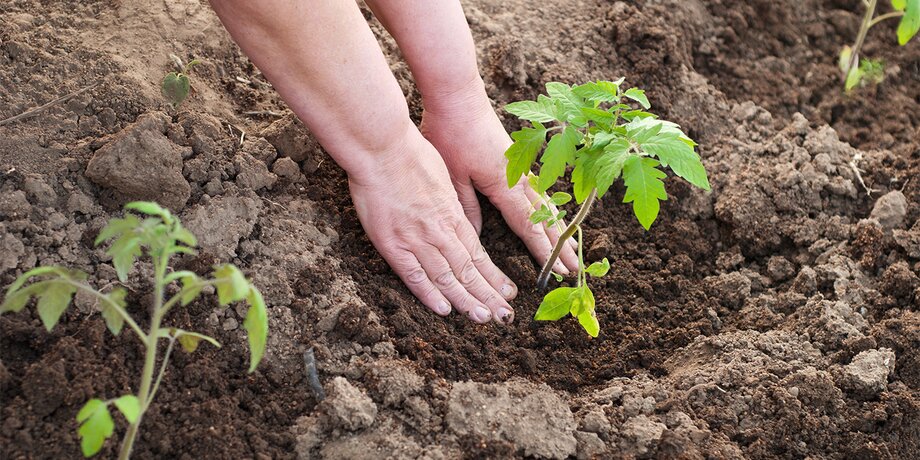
<point>161,236</point>
<point>857,71</point>
<point>176,85</point>
<point>602,138</point>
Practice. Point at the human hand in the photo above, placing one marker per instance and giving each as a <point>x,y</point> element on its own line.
<point>413,217</point>
<point>464,128</point>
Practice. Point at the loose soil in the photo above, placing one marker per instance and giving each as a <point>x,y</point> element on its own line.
<point>776,317</point>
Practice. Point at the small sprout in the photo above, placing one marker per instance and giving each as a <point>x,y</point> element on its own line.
<point>159,235</point>
<point>602,137</point>
<point>859,71</point>
<point>176,85</point>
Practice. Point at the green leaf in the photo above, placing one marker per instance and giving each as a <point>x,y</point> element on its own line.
<point>113,319</point>
<point>118,227</point>
<point>182,235</point>
<point>679,156</point>
<point>844,60</point>
<point>633,114</point>
<point>129,406</point>
<point>588,321</point>
<point>601,91</point>
<point>150,208</point>
<point>853,78</point>
<point>21,281</point>
<point>190,340</point>
<point>560,198</point>
<point>541,215</point>
<point>17,301</point>
<point>571,103</point>
<point>583,177</point>
<point>582,301</point>
<point>556,218</point>
<point>899,4</point>
<point>53,300</point>
<point>560,152</point>
<point>256,324</point>
<point>230,283</point>
<point>597,115</point>
<point>191,288</point>
<point>558,277</point>
<point>638,95</point>
<point>542,110</point>
<point>123,251</point>
<point>523,152</point>
<point>96,425</point>
<point>556,304</point>
<point>598,269</point>
<point>175,87</point>
<point>644,188</point>
<point>910,22</point>
<point>608,165</point>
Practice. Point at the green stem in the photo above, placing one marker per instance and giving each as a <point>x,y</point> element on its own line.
<point>156,384</point>
<point>582,278</point>
<point>893,14</point>
<point>860,37</point>
<point>121,311</point>
<point>150,359</point>
<point>543,279</point>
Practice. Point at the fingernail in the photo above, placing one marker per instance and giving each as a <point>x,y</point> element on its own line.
<point>442,308</point>
<point>506,316</point>
<point>480,314</point>
<point>507,291</point>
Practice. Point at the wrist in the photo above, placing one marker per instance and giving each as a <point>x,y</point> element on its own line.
<point>468,97</point>
<point>385,159</point>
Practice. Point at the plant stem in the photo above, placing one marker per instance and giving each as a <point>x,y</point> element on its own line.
<point>860,37</point>
<point>543,279</point>
<point>150,359</point>
<point>582,278</point>
<point>156,384</point>
<point>893,14</point>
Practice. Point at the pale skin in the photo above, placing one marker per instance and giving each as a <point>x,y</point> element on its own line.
<point>414,189</point>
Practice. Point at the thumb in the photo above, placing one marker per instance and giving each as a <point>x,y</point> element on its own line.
<point>470,203</point>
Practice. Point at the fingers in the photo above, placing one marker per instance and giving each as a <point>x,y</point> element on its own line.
<point>470,203</point>
<point>407,266</point>
<point>441,275</point>
<point>492,274</point>
<point>468,274</point>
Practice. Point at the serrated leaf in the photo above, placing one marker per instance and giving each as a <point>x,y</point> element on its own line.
<point>598,269</point>
<point>560,152</point>
<point>231,284</point>
<point>608,165</point>
<point>560,198</point>
<point>256,325</point>
<point>129,406</point>
<point>588,321</point>
<point>644,188</point>
<point>123,251</point>
<point>191,289</point>
<point>679,156</point>
<point>556,304</point>
<point>634,114</point>
<point>571,103</point>
<point>150,208</point>
<point>642,133</point>
<point>21,281</point>
<point>118,227</point>
<point>910,22</point>
<point>190,340</point>
<point>542,110</point>
<point>597,115</point>
<point>601,91</point>
<point>96,425</point>
<point>184,236</point>
<point>583,179</point>
<point>541,215</point>
<point>175,87</point>
<point>113,319</point>
<point>638,95</point>
<point>52,301</point>
<point>523,152</point>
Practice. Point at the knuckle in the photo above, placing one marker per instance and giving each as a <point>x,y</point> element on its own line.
<point>416,277</point>
<point>467,273</point>
<point>444,280</point>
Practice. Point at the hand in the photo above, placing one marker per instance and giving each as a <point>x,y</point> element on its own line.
<point>464,128</point>
<point>413,217</point>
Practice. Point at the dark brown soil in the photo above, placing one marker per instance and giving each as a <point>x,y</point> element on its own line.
<point>756,321</point>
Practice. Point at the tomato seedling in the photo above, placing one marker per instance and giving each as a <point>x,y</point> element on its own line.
<point>176,85</point>
<point>602,138</point>
<point>860,71</point>
<point>160,235</point>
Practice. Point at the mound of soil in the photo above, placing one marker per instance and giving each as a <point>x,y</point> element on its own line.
<point>776,317</point>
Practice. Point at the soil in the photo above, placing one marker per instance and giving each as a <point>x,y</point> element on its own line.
<point>776,317</point>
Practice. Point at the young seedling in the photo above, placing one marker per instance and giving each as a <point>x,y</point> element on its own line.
<point>176,85</point>
<point>161,236</point>
<point>603,138</point>
<point>860,71</point>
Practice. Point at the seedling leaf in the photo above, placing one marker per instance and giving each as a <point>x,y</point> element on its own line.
<point>230,283</point>
<point>191,288</point>
<point>152,209</point>
<point>608,165</point>
<point>638,95</point>
<point>129,406</point>
<point>598,269</point>
<point>175,88</point>
<point>560,198</point>
<point>679,156</point>
<point>541,215</point>
<point>542,110</point>
<point>644,188</point>
<point>910,22</point>
<point>190,340</point>
<point>113,318</point>
<point>96,425</point>
<point>53,300</point>
<point>560,151</point>
<point>556,304</point>
<point>256,325</point>
<point>601,91</point>
<point>588,320</point>
<point>523,152</point>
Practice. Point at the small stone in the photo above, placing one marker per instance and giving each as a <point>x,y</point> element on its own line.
<point>286,168</point>
<point>253,174</point>
<point>230,324</point>
<point>590,446</point>
<point>780,269</point>
<point>348,407</point>
<point>867,374</point>
<point>890,210</point>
